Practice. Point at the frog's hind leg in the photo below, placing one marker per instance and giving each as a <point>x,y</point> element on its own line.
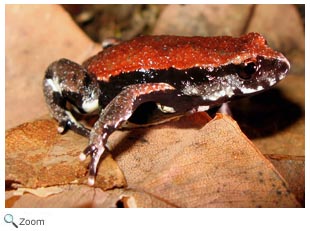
<point>118,111</point>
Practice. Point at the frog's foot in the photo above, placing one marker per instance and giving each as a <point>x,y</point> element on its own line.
<point>68,122</point>
<point>95,150</point>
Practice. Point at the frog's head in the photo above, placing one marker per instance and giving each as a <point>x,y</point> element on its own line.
<point>233,80</point>
<point>253,75</point>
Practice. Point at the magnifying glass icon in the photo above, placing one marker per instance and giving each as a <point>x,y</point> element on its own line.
<point>8,218</point>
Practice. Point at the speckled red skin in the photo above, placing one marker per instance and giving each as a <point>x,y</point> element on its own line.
<point>163,52</point>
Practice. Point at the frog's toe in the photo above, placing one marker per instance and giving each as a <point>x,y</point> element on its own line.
<point>78,128</point>
<point>90,150</point>
<point>66,123</point>
<point>95,151</point>
<point>91,180</point>
<point>62,126</point>
<point>94,162</point>
<point>82,156</point>
<point>60,129</point>
<point>87,151</point>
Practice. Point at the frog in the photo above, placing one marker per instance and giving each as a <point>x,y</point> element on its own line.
<point>178,75</point>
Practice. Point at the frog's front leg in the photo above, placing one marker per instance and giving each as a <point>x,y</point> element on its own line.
<point>113,115</point>
<point>57,107</point>
<point>67,83</point>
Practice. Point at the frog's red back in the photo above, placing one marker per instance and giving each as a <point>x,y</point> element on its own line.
<point>164,51</point>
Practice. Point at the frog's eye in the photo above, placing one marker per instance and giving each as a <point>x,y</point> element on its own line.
<point>247,70</point>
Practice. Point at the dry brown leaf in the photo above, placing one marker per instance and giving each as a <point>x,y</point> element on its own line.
<point>215,166</point>
<point>292,168</point>
<point>72,196</point>
<point>84,196</point>
<point>205,20</point>
<point>135,199</point>
<point>37,156</point>
<point>40,192</point>
<point>186,163</point>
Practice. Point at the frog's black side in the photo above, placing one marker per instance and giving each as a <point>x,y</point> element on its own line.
<point>195,76</point>
<point>176,92</point>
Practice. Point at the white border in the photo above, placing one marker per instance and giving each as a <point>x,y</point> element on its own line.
<point>2,103</point>
<point>159,219</point>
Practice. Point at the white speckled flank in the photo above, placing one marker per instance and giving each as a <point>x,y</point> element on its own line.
<point>203,108</point>
<point>251,90</point>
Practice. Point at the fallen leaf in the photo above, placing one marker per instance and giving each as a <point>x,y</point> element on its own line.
<point>72,196</point>
<point>203,20</point>
<point>185,163</point>
<point>215,166</point>
<point>40,192</point>
<point>37,156</point>
<point>292,168</point>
